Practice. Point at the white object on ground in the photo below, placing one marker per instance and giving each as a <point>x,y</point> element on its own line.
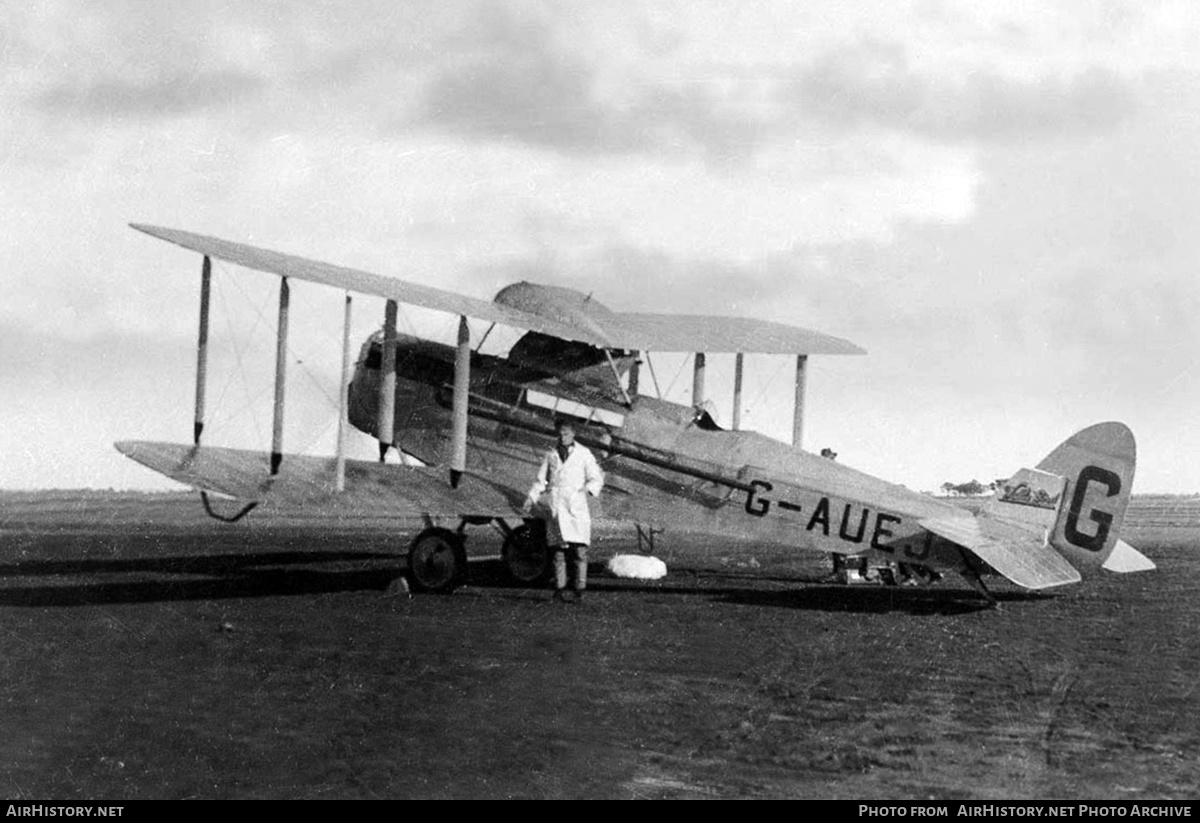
<point>637,566</point>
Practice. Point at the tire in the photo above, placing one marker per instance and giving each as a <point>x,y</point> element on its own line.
<point>525,554</point>
<point>437,561</point>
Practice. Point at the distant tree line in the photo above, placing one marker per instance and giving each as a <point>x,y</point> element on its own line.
<point>972,488</point>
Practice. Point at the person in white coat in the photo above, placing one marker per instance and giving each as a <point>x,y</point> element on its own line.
<point>570,473</point>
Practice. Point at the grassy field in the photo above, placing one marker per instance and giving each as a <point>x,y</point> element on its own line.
<point>151,652</point>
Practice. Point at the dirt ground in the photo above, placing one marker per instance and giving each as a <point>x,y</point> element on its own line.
<point>149,652</point>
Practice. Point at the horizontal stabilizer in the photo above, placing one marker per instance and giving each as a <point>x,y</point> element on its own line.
<point>1125,558</point>
<point>1017,554</point>
<point>309,482</point>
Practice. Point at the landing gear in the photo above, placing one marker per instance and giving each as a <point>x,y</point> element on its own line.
<point>525,554</point>
<point>437,561</point>
<point>977,584</point>
<point>971,573</point>
<point>437,557</point>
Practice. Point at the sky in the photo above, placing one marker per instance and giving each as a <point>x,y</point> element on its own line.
<point>1000,202</point>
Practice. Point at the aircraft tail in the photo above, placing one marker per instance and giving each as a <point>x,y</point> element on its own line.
<point>1077,497</point>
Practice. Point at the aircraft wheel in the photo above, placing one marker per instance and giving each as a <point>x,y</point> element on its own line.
<point>437,561</point>
<point>525,553</point>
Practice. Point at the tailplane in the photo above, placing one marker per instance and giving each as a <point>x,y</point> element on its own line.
<point>1077,498</point>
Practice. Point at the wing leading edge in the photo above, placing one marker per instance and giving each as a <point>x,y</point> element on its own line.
<point>309,481</point>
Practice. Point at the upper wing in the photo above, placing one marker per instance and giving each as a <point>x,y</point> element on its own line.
<point>546,309</point>
<point>309,481</point>
<point>416,294</point>
<point>686,333</point>
<point>1021,556</point>
<point>669,332</point>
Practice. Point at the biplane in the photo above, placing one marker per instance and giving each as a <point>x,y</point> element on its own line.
<point>478,425</point>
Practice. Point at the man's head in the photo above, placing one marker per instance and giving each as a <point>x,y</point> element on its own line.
<point>565,430</point>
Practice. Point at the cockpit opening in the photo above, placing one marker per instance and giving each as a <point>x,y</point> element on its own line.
<point>703,418</point>
<point>553,354</point>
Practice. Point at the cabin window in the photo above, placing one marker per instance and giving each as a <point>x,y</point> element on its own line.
<point>571,408</point>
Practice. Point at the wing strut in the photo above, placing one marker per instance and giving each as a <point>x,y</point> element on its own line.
<point>343,397</point>
<point>617,374</point>
<point>653,376</point>
<point>462,388</point>
<point>798,412</point>
<point>738,363</point>
<point>280,376</point>
<point>385,420</point>
<point>482,340</point>
<point>202,349</point>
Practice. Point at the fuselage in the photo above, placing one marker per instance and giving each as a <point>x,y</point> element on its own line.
<point>666,464</point>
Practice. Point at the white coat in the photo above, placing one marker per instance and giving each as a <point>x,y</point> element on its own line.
<point>569,483</point>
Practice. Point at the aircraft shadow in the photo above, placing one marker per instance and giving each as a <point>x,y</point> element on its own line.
<point>877,600</point>
<point>803,593</point>
<point>287,573</point>
<point>201,577</point>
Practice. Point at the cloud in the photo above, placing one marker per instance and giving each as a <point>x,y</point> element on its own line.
<point>524,78</point>
<point>117,98</point>
<point>873,85</point>
<point>523,88</point>
<point>1073,278</point>
<point>133,59</point>
<point>535,80</point>
<point>128,59</point>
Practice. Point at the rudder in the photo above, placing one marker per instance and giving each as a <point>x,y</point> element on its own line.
<point>1097,464</point>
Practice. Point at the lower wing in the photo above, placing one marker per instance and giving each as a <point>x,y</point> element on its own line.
<point>311,481</point>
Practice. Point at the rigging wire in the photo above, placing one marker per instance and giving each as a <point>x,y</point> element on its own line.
<point>746,409</point>
<point>683,362</point>
<point>653,376</point>
<point>239,351</point>
<point>241,347</point>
